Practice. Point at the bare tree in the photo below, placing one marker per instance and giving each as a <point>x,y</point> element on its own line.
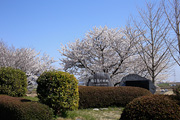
<point>152,48</point>
<point>172,11</point>
<point>102,50</point>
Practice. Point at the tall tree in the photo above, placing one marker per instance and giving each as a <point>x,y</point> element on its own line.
<point>172,11</point>
<point>152,48</point>
<point>102,50</point>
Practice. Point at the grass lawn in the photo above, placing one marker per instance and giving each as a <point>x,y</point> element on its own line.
<point>31,98</point>
<point>164,85</point>
<point>111,113</point>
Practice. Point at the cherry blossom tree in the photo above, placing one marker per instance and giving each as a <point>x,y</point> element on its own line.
<point>102,50</point>
<point>25,59</point>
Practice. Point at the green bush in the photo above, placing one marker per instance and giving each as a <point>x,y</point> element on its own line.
<point>13,82</point>
<point>14,108</point>
<point>91,96</point>
<point>155,107</point>
<point>58,90</point>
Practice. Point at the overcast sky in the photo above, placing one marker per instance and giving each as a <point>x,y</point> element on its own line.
<point>46,24</point>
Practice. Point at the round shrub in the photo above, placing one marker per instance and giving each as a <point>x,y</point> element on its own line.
<point>13,82</point>
<point>14,108</point>
<point>155,107</point>
<point>92,96</point>
<point>58,90</point>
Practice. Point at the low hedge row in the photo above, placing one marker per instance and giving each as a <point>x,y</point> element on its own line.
<point>14,108</point>
<point>91,97</point>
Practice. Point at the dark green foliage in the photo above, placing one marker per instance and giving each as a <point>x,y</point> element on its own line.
<point>13,82</point>
<point>14,108</point>
<point>91,96</point>
<point>58,90</point>
<point>155,107</point>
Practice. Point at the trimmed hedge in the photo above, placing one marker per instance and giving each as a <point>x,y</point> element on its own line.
<point>175,98</point>
<point>155,107</point>
<point>14,108</point>
<point>13,82</point>
<point>176,91</point>
<point>58,90</point>
<point>91,96</point>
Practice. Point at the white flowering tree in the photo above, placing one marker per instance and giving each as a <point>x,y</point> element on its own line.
<point>101,50</point>
<point>25,59</point>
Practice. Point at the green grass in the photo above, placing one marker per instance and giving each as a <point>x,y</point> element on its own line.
<point>163,85</point>
<point>31,98</point>
<point>111,113</point>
